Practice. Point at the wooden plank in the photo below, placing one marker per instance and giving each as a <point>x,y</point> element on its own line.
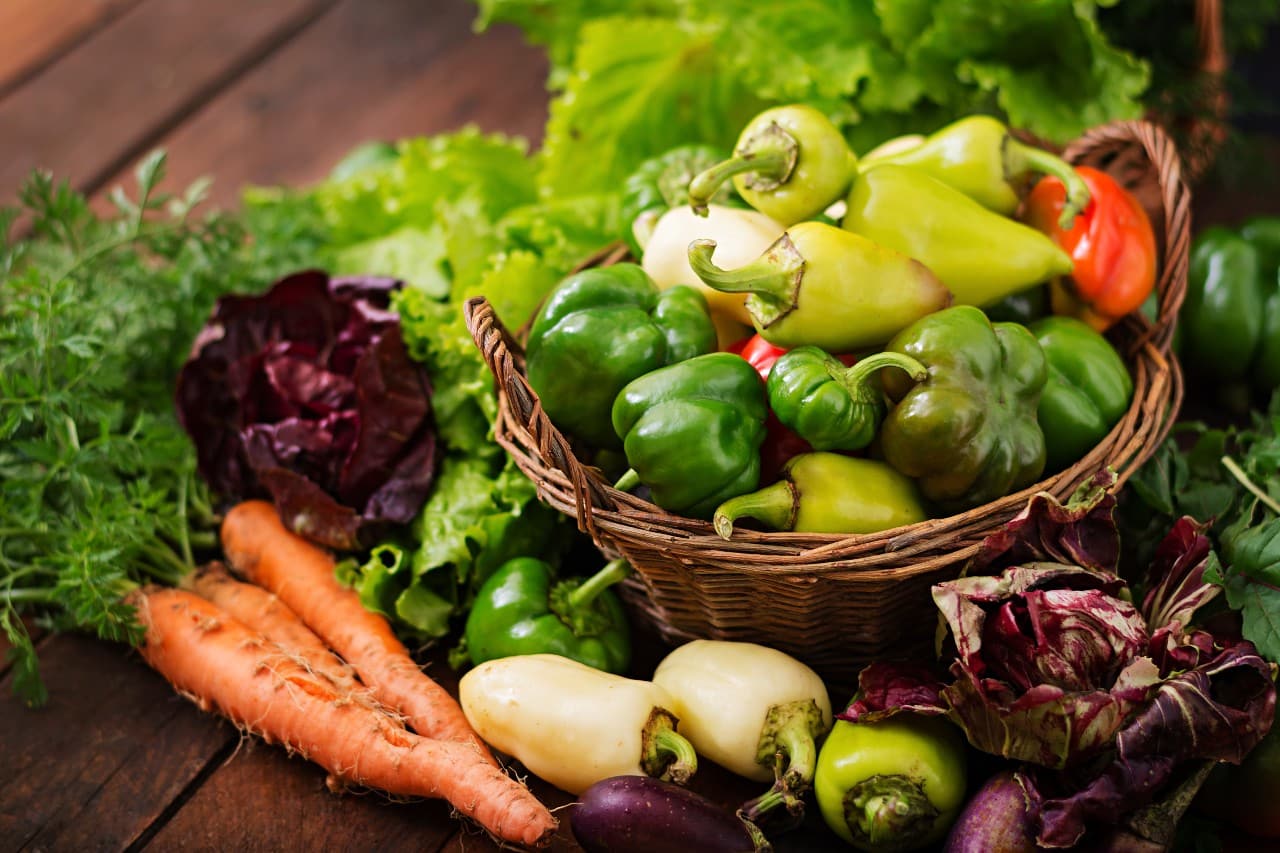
<point>164,58</point>
<point>369,69</point>
<point>36,33</point>
<point>105,758</point>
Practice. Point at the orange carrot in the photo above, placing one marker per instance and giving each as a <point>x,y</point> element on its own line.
<point>265,613</point>
<point>226,667</point>
<point>259,547</point>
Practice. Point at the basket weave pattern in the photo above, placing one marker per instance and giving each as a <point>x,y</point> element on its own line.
<point>835,601</point>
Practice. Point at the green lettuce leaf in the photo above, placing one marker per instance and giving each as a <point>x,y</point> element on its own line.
<point>417,255</point>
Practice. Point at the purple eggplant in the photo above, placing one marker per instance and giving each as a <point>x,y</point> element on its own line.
<point>640,814</point>
<point>994,821</point>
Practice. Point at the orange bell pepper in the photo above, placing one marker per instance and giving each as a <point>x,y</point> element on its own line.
<point>1111,244</point>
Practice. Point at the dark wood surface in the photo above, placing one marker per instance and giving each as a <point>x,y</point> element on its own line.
<point>248,92</point>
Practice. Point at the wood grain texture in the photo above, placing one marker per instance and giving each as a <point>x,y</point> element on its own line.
<point>370,69</point>
<point>101,762</point>
<point>109,99</point>
<point>35,33</point>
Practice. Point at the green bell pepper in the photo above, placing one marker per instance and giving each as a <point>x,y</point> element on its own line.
<point>968,431</point>
<point>790,163</point>
<point>980,256</point>
<point>1087,392</point>
<point>601,328</point>
<point>1230,319</point>
<point>523,610</point>
<point>831,406</point>
<point>662,183</point>
<point>896,784</point>
<point>692,432</point>
<point>828,493</point>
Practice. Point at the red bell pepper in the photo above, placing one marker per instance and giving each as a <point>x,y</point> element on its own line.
<point>1111,244</point>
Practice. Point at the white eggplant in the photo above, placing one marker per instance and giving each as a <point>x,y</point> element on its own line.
<point>753,710</point>
<point>574,725</point>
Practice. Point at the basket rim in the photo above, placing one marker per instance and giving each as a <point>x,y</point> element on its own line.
<point>612,517</point>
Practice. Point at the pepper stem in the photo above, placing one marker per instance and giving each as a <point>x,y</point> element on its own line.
<point>775,505</point>
<point>664,752</point>
<point>888,813</point>
<point>773,279</point>
<point>854,379</point>
<point>613,571</point>
<point>628,481</point>
<point>1020,159</point>
<point>788,744</point>
<point>769,155</point>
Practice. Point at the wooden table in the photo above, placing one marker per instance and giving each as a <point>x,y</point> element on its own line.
<point>249,92</point>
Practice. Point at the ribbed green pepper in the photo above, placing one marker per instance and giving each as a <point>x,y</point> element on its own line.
<point>601,328</point>
<point>980,256</point>
<point>523,610</point>
<point>1087,391</point>
<point>662,183</point>
<point>692,432</point>
<point>828,493</point>
<point>968,431</point>
<point>1230,320</point>
<point>831,406</point>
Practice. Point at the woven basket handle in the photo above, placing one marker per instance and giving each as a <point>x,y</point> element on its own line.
<point>506,362</point>
<point>1111,147</point>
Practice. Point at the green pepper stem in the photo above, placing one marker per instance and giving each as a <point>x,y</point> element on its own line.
<point>789,744</point>
<point>775,505</point>
<point>854,378</point>
<point>664,752</point>
<point>889,812</point>
<point>628,481</point>
<point>613,571</point>
<point>770,155</point>
<point>773,279</point>
<point>1020,159</point>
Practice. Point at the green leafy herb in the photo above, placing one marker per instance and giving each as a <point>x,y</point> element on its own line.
<point>98,490</point>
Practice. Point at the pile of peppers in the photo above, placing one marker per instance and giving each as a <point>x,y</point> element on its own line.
<point>903,319</point>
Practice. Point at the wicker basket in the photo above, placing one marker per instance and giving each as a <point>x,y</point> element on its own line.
<point>838,602</point>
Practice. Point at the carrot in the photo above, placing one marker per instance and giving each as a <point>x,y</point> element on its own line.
<point>259,547</point>
<point>224,666</point>
<point>265,613</point>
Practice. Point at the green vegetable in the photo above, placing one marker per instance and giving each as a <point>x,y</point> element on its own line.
<point>823,286</point>
<point>602,328</point>
<point>828,493</point>
<point>97,314</point>
<point>1086,394</point>
<point>662,183</point>
<point>896,784</point>
<point>979,157</point>
<point>790,163</point>
<point>879,69</point>
<point>523,610</point>
<point>1230,320</point>
<point>692,432</point>
<point>831,406</point>
<point>968,431</point>
<point>980,256</point>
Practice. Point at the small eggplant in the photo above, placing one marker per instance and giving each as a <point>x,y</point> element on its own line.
<point>994,821</point>
<point>640,814</point>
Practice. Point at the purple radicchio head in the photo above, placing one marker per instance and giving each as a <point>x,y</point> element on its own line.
<point>306,393</point>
